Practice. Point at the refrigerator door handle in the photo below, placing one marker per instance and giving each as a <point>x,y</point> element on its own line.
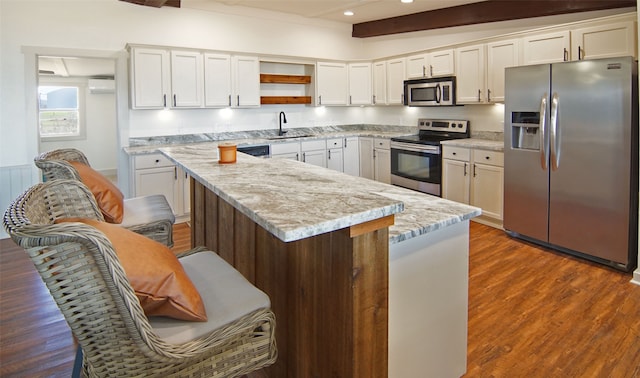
<point>555,135</point>
<point>544,152</point>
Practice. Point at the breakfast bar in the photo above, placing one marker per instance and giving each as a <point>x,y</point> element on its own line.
<point>320,244</point>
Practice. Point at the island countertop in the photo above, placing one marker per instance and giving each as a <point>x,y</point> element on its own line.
<point>295,200</point>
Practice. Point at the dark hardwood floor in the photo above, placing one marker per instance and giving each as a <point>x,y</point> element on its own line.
<point>532,313</point>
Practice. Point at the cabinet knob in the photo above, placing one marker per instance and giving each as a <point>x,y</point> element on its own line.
<point>157,160</point>
<point>454,153</point>
<point>487,157</point>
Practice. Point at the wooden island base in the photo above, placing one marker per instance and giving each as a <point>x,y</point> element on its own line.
<point>329,292</point>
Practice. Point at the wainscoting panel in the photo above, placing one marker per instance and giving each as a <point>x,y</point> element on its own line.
<point>13,181</point>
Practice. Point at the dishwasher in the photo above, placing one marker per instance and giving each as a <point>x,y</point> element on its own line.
<point>261,151</point>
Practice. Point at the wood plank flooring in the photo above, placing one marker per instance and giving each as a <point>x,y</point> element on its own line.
<point>532,313</point>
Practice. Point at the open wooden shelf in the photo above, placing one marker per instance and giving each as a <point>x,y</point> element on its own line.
<point>285,79</point>
<point>266,100</point>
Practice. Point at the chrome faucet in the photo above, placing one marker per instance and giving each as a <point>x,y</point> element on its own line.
<point>282,118</point>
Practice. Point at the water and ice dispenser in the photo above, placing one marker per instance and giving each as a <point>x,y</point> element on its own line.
<point>525,129</point>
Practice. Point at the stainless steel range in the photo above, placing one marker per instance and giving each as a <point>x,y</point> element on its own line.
<point>416,160</point>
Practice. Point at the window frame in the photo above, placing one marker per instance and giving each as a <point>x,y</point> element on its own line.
<point>81,85</point>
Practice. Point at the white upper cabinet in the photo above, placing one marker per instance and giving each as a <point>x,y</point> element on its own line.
<point>187,79</point>
<point>500,55</point>
<point>546,48</point>
<point>332,81</point>
<point>217,80</point>
<point>604,41</point>
<point>246,81</point>
<point>395,81</point>
<point>432,64</point>
<point>151,78</point>
<point>471,74</point>
<point>360,84</point>
<point>380,83</point>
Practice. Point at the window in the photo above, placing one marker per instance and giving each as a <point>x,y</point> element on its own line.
<point>60,111</point>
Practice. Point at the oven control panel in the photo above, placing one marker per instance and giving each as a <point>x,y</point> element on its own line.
<point>443,125</point>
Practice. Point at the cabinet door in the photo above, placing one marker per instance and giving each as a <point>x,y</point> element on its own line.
<point>287,155</point>
<point>187,78</point>
<point>395,81</point>
<point>217,80</point>
<point>360,84</point>
<point>379,83</point>
<point>500,55</point>
<point>151,78</point>
<point>351,156</point>
<point>316,157</point>
<point>455,180</point>
<point>604,41</point>
<point>366,157</point>
<point>417,66</point>
<point>487,191</point>
<point>335,159</point>
<point>382,165</point>
<point>290,150</point>
<point>546,48</point>
<point>441,63</point>
<point>470,72</point>
<point>332,81</point>
<point>246,81</point>
<point>158,181</point>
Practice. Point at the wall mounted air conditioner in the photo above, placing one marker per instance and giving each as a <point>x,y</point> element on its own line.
<point>98,86</point>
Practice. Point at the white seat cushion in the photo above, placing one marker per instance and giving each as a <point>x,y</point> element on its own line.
<point>226,294</point>
<point>146,209</point>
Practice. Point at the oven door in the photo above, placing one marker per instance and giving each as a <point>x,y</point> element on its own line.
<point>416,166</point>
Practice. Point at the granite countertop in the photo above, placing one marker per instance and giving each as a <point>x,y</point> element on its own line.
<point>481,144</point>
<point>151,145</point>
<point>294,200</point>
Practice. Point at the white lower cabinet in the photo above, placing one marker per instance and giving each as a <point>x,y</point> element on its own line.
<point>375,159</point>
<point>155,174</point>
<point>351,156</point>
<point>290,150</point>
<point>475,177</point>
<point>335,154</point>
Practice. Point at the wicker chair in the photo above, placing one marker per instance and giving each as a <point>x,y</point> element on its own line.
<point>82,272</point>
<point>150,216</point>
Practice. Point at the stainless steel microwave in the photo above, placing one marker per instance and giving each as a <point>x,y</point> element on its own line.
<point>437,91</point>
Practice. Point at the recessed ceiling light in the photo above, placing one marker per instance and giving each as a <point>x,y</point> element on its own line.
<point>407,1</point>
<point>348,13</point>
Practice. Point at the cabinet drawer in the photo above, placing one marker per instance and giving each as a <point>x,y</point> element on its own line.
<point>456,153</point>
<point>382,143</point>
<point>488,157</point>
<point>285,148</point>
<point>152,161</point>
<point>335,143</point>
<point>310,145</point>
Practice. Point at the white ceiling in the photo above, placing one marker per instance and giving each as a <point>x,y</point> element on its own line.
<point>332,10</point>
<point>76,67</point>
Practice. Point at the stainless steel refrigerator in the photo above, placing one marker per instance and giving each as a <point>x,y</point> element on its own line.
<point>571,158</point>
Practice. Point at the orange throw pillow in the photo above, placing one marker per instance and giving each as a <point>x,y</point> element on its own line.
<point>159,280</point>
<point>109,197</point>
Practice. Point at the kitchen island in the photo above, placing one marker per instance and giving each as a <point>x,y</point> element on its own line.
<point>331,250</point>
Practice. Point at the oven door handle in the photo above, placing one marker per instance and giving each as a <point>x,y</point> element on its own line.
<point>412,147</point>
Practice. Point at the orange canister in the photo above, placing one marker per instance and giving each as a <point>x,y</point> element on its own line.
<point>227,152</point>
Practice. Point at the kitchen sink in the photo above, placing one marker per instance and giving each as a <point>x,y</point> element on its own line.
<point>289,136</point>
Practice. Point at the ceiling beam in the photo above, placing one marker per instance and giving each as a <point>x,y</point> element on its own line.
<point>481,12</point>
<point>155,3</point>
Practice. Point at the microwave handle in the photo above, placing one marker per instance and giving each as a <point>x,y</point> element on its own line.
<point>438,93</point>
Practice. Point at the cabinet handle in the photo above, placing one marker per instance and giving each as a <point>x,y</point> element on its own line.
<point>320,100</point>
<point>474,170</point>
<point>350,102</point>
<point>175,173</point>
<point>304,157</point>
<point>174,101</point>
<point>465,169</point>
<point>229,100</point>
<point>374,99</point>
<point>329,154</point>
<point>238,100</point>
<point>164,100</point>
<point>345,142</point>
<point>374,154</point>
<point>430,70</point>
<point>489,95</point>
<point>579,53</point>
<point>424,70</point>
<point>565,55</point>
<point>479,94</point>
<point>297,156</point>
